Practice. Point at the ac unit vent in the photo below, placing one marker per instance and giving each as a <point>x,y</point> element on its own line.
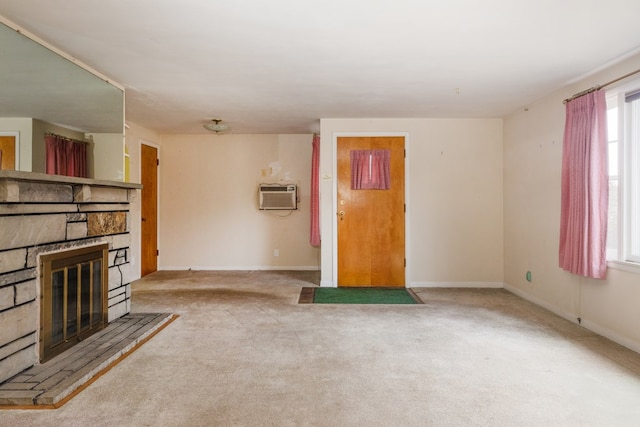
<point>278,197</point>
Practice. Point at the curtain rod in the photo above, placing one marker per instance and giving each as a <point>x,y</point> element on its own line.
<point>593,89</point>
<point>66,138</point>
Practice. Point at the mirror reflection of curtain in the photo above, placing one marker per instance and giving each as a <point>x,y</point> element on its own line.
<point>66,156</point>
<point>370,170</point>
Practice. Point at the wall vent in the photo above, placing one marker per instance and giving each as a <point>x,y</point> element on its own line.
<point>278,196</point>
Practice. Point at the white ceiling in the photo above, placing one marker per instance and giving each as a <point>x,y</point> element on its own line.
<point>279,66</point>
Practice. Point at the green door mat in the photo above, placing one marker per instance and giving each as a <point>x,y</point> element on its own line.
<point>358,296</point>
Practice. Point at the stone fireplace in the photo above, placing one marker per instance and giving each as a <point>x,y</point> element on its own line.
<point>46,222</point>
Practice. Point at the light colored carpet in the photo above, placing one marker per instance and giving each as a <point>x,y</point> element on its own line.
<point>244,353</point>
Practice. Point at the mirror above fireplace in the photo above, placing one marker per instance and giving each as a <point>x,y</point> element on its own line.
<point>41,87</point>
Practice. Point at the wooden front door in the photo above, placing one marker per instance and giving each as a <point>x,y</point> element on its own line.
<point>7,153</point>
<point>149,227</point>
<point>371,225</point>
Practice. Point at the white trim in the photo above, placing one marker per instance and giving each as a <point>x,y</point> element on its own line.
<point>16,135</point>
<point>607,333</point>
<point>624,259</point>
<point>407,211</point>
<point>571,317</point>
<point>629,267</point>
<point>455,285</point>
<point>334,208</point>
<point>591,326</point>
<point>334,198</point>
<point>242,268</point>
<point>328,284</point>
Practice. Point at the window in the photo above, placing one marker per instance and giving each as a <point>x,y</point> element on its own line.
<point>370,169</point>
<point>623,123</point>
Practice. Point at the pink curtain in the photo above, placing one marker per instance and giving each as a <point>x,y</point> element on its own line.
<point>315,191</point>
<point>65,156</point>
<point>583,221</point>
<point>370,170</point>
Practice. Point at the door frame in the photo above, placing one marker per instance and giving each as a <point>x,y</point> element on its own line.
<point>157,147</point>
<point>16,135</point>
<point>334,199</point>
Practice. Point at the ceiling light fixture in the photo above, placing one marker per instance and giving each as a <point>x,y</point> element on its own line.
<point>217,126</point>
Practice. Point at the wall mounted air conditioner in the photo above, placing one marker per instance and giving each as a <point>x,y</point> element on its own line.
<point>278,196</point>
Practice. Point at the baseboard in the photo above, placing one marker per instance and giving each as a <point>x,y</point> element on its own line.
<point>330,284</point>
<point>327,284</point>
<point>609,334</point>
<point>455,285</point>
<point>571,317</point>
<point>242,268</point>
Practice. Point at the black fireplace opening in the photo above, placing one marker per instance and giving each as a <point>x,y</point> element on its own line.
<point>74,287</point>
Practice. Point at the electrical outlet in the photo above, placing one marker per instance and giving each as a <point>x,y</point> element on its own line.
<point>276,252</point>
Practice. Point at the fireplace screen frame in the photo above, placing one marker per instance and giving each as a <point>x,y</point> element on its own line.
<point>60,327</point>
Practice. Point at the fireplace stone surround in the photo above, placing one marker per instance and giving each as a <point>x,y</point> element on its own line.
<point>42,214</point>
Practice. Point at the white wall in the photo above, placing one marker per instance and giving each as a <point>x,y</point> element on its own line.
<point>533,160</point>
<point>209,217</point>
<point>454,200</point>
<point>108,156</point>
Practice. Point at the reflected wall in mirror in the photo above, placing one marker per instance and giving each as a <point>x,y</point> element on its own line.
<point>9,150</point>
<point>42,91</point>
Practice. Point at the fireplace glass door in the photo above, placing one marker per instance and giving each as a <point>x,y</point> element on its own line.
<point>74,291</point>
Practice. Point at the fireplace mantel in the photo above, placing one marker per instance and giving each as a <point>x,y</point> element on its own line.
<point>59,179</point>
<point>41,214</point>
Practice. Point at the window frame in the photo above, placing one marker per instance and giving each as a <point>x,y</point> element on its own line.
<point>621,257</point>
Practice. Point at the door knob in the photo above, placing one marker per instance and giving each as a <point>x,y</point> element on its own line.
<point>341,214</point>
